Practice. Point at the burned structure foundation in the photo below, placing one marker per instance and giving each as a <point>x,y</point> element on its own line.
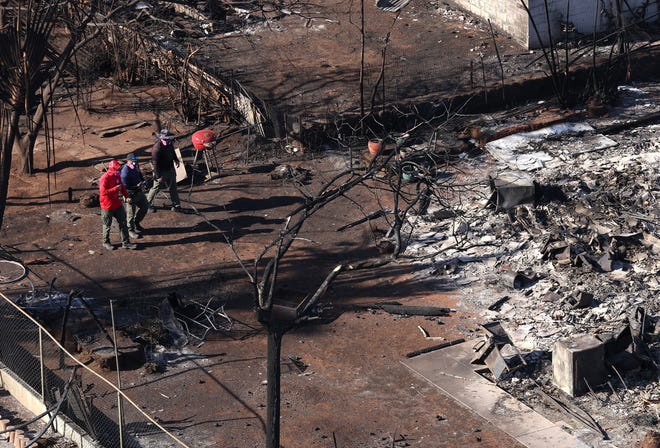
<point>578,362</point>
<point>569,259</point>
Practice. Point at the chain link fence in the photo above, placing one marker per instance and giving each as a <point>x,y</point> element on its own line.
<point>101,411</point>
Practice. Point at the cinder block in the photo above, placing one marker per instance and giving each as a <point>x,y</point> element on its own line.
<point>576,361</point>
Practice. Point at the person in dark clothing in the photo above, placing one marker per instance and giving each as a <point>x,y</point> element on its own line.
<point>136,203</point>
<point>164,161</point>
<point>110,187</point>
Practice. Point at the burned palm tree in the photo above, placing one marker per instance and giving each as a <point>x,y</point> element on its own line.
<point>24,50</point>
<point>32,61</point>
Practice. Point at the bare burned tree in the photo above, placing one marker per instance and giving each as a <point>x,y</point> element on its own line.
<point>278,316</point>
<point>278,319</point>
<point>386,174</point>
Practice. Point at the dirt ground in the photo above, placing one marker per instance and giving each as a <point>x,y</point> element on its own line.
<point>308,59</point>
<point>355,392</point>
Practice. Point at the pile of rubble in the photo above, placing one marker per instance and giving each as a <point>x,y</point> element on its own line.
<point>560,241</point>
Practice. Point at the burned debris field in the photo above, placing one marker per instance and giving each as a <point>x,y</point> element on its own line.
<point>572,263</point>
<point>399,227</point>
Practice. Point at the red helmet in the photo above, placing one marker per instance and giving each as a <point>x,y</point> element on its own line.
<point>114,166</point>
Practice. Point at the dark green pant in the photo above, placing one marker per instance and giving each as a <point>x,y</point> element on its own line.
<point>120,215</point>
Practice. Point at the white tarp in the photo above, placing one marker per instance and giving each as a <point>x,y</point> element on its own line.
<point>522,151</point>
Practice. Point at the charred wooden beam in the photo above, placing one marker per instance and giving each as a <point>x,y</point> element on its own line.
<point>434,347</point>
<point>410,310</point>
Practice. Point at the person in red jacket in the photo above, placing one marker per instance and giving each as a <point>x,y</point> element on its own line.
<point>110,187</point>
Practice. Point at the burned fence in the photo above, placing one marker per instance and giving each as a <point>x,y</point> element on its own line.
<point>177,64</point>
<point>92,411</point>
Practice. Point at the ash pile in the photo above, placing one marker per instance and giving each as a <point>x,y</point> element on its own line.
<point>559,245</point>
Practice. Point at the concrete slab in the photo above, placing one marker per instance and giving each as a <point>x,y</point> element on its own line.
<point>449,369</point>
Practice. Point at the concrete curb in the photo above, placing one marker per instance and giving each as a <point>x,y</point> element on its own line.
<point>31,401</point>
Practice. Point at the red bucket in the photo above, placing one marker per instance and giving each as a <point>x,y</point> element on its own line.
<point>203,139</point>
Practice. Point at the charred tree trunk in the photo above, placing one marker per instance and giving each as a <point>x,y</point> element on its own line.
<point>25,147</point>
<point>8,125</point>
<point>26,143</point>
<point>273,374</point>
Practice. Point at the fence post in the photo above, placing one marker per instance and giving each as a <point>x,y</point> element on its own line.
<point>120,410</point>
<point>41,366</point>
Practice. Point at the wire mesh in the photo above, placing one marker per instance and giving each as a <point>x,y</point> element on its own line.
<point>19,348</point>
<point>91,402</point>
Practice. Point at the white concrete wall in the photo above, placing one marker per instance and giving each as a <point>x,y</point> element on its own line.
<point>510,16</point>
<point>507,15</point>
<point>584,16</point>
